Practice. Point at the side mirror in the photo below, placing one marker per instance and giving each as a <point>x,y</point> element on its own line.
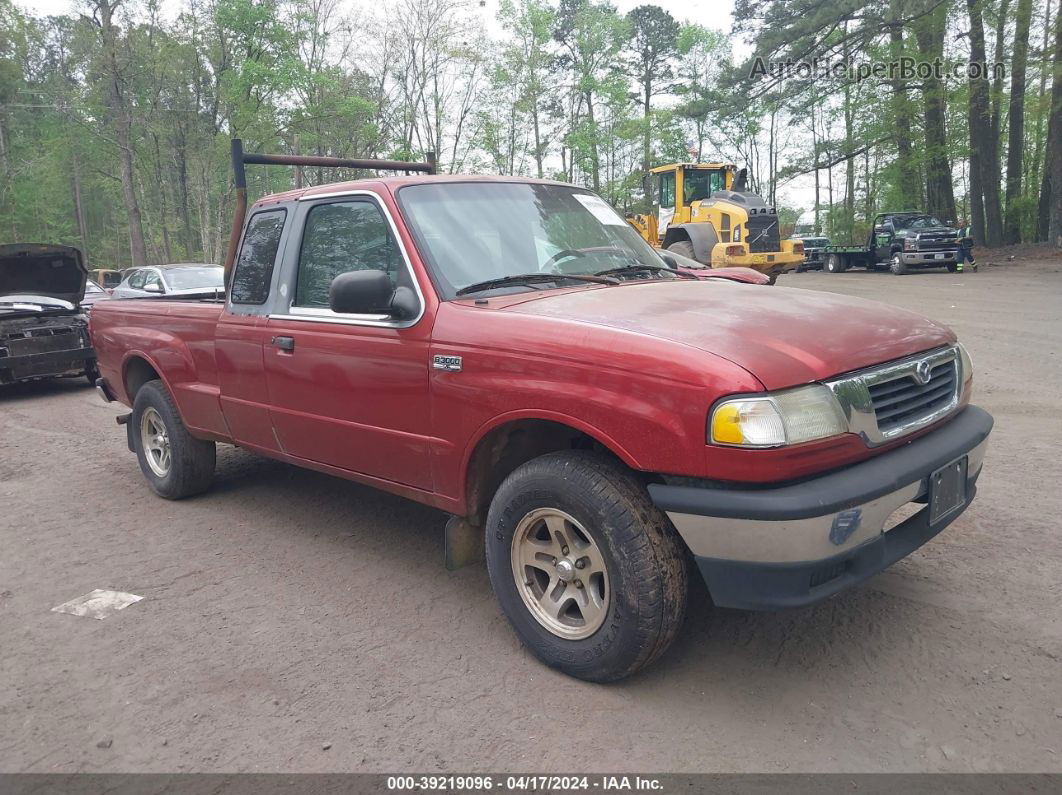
<point>154,287</point>
<point>370,292</point>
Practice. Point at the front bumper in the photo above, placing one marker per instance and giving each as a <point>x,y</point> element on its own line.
<point>789,546</point>
<point>46,364</point>
<point>929,258</point>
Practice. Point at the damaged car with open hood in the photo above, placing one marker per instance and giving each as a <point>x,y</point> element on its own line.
<point>43,330</point>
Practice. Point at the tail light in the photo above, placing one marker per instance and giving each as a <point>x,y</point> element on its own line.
<point>798,248</point>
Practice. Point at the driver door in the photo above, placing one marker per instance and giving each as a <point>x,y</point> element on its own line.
<point>349,391</point>
<point>883,241</point>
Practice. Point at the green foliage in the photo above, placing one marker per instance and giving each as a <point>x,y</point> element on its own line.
<point>571,89</point>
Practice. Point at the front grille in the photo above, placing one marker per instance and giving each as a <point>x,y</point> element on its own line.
<point>27,346</point>
<point>763,233</point>
<point>903,400</point>
<point>935,241</point>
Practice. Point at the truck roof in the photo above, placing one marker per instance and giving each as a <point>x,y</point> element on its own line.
<point>393,183</point>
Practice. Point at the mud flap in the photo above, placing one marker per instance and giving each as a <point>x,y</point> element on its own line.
<point>463,543</point>
<point>124,419</point>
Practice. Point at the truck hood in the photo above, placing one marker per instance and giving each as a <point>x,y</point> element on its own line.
<point>930,230</point>
<point>783,336</point>
<point>34,269</point>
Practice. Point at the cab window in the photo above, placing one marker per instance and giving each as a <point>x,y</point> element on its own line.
<point>136,280</point>
<point>340,237</point>
<point>254,268</point>
<point>152,277</point>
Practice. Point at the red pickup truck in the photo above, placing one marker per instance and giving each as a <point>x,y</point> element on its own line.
<point>512,352</point>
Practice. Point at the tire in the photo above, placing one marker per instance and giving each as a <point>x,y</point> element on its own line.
<point>835,264</point>
<point>896,264</point>
<point>772,279</point>
<point>92,373</point>
<point>684,248</point>
<point>638,576</point>
<point>181,465</point>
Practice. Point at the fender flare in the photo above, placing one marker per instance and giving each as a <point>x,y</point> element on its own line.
<point>702,237</point>
<point>548,416</point>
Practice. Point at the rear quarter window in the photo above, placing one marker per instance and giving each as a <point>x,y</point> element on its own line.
<point>258,256</point>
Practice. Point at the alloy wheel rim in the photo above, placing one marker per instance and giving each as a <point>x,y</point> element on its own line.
<point>560,573</point>
<point>156,442</point>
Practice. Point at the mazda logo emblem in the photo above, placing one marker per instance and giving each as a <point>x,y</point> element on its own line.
<point>922,372</point>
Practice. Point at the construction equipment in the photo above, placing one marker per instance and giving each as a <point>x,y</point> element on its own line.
<point>704,212</point>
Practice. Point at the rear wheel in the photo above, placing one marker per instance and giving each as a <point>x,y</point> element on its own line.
<point>896,265</point>
<point>684,248</point>
<point>175,463</point>
<point>590,574</point>
<point>836,264</point>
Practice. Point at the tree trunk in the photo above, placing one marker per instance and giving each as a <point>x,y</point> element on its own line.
<point>595,157</point>
<point>1016,123</point>
<point>997,78</point>
<point>79,211</point>
<point>908,176</point>
<point>1054,142</point>
<point>538,139</point>
<point>984,149</point>
<point>940,195</point>
<point>122,131</point>
<point>647,140</point>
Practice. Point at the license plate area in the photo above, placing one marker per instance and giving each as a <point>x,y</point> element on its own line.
<point>947,490</point>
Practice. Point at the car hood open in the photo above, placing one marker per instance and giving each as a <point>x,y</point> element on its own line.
<point>44,270</point>
<point>783,336</point>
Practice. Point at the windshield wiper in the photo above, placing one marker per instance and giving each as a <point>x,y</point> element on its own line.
<point>633,268</point>
<point>532,278</point>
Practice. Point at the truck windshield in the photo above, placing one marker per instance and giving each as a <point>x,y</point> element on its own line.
<point>700,183</point>
<point>915,222</point>
<point>472,232</point>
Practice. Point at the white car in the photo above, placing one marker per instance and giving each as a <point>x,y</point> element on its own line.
<point>178,279</point>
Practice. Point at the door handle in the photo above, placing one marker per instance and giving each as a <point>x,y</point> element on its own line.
<point>284,343</point>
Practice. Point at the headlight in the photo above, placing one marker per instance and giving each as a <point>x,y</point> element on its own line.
<point>789,417</point>
<point>909,244</point>
<point>965,371</point>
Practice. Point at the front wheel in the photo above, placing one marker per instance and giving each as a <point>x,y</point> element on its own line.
<point>175,463</point>
<point>896,264</point>
<point>591,574</point>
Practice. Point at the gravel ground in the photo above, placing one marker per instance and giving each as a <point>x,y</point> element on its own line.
<point>296,622</point>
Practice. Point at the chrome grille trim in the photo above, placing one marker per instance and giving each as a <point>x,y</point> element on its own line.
<point>886,402</point>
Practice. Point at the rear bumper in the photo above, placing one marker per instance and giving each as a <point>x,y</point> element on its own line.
<point>777,262</point>
<point>794,545</point>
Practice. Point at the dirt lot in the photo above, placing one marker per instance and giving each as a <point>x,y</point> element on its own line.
<point>286,611</point>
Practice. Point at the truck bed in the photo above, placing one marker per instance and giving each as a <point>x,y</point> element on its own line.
<point>175,336</point>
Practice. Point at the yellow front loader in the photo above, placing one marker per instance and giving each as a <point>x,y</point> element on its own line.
<point>704,212</point>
